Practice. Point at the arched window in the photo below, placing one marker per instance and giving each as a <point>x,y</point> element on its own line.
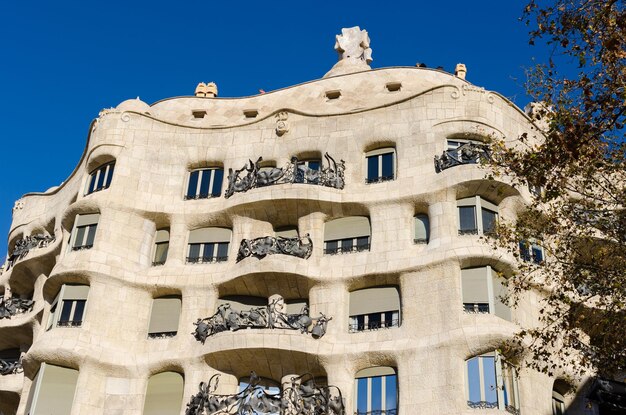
<point>205,183</point>
<point>68,308</point>
<point>376,391</point>
<point>52,390</point>
<point>484,292</point>
<point>208,245</point>
<point>164,395</point>
<point>161,246</point>
<point>531,251</point>
<point>84,231</point>
<point>491,382</point>
<point>422,229</point>
<point>374,308</point>
<point>164,317</point>
<point>477,216</point>
<point>344,235</point>
<point>100,178</point>
<point>381,165</point>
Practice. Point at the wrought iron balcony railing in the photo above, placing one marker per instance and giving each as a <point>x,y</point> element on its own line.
<point>162,335</point>
<point>205,259</point>
<point>478,308</point>
<point>10,367</point>
<point>70,323</point>
<point>372,180</point>
<point>468,153</point>
<point>373,325</point>
<point>346,250</point>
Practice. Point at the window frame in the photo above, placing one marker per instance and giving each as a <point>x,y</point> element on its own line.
<point>492,297</point>
<point>306,163</point>
<point>503,397</point>
<point>87,228</point>
<point>58,305</point>
<point>381,301</point>
<point>164,334</point>
<point>479,204</point>
<point>345,226</point>
<point>217,242</point>
<point>528,249</point>
<point>426,224</point>
<point>196,195</point>
<point>385,374</point>
<point>104,170</point>
<point>160,239</point>
<point>379,154</point>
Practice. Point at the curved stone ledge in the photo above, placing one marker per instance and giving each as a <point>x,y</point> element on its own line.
<point>12,383</point>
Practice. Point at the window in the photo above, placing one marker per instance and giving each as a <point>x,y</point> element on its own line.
<point>205,183</point>
<point>381,165</point>
<point>422,229</point>
<point>68,309</point>
<point>100,178</point>
<point>161,245</point>
<point>531,252</point>
<point>376,391</point>
<point>52,391</point>
<point>558,403</point>
<point>164,395</point>
<point>374,308</point>
<point>491,382</point>
<point>84,232</point>
<point>471,223</point>
<point>305,169</point>
<point>164,317</point>
<point>344,235</point>
<point>208,245</point>
<point>483,292</point>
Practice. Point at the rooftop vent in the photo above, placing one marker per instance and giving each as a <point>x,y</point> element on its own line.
<point>393,86</point>
<point>333,94</point>
<point>198,113</point>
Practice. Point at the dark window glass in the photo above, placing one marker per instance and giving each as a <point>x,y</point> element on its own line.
<point>208,250</point>
<point>362,242</point>
<point>92,183</point>
<point>489,220</point>
<point>193,184</point>
<point>79,310</point>
<point>66,310</point>
<point>374,321</point>
<point>346,245</point>
<point>102,173</point>
<point>314,165</point>
<point>194,251</point>
<point>387,166</point>
<point>218,177</point>
<point>537,254</point>
<point>331,246</point>
<point>360,321</point>
<point>222,250</point>
<point>109,175</point>
<point>372,168</point>
<point>80,236</point>
<point>391,392</point>
<point>204,183</point>
<point>389,319</point>
<point>91,235</point>
<point>524,251</point>
<point>467,218</point>
<point>160,254</point>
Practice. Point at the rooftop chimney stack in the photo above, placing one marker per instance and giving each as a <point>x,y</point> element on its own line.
<point>460,70</point>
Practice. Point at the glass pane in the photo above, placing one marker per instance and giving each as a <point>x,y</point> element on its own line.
<point>391,392</point>
<point>523,251</point>
<point>208,250</point>
<point>79,310</point>
<point>467,218</point>
<point>473,380</point>
<point>101,174</point>
<point>452,145</point>
<point>66,310</point>
<point>218,177</point>
<point>389,316</point>
<point>91,234</point>
<point>377,393</point>
<point>204,183</point>
<point>489,220</point>
<point>314,165</point>
<point>160,254</point>
<point>361,395</point>
<point>361,322</point>
<point>537,254</point>
<point>489,377</point>
<point>388,165</point>
<point>222,250</point>
<point>194,251</point>
<point>80,235</point>
<point>362,242</point>
<point>374,320</point>
<point>422,228</point>
<point>372,168</point>
<point>92,182</point>
<point>193,184</point>
<point>109,175</point>
<point>346,245</point>
<point>330,246</point>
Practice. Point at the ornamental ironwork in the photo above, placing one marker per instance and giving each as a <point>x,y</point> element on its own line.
<point>10,307</point>
<point>301,396</point>
<point>268,245</point>
<point>10,367</point>
<point>272,316</point>
<point>26,244</point>
<point>467,153</point>
<point>253,175</point>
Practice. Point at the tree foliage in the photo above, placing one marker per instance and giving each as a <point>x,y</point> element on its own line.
<point>574,162</point>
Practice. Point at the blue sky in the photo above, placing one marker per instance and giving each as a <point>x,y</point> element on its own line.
<point>62,62</point>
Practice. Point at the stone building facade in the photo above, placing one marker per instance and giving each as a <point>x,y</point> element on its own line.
<point>310,231</point>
